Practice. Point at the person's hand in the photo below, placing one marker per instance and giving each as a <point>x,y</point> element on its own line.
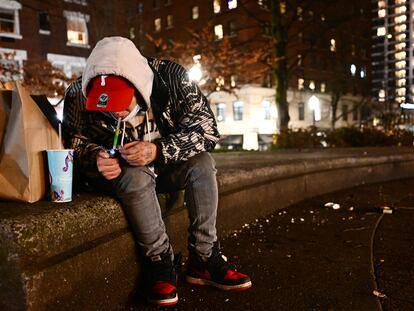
<point>108,167</point>
<point>139,153</point>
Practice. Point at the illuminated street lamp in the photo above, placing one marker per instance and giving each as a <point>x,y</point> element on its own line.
<point>315,106</point>
<point>195,73</point>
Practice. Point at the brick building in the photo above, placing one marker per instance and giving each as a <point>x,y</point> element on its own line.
<point>328,45</point>
<point>62,31</point>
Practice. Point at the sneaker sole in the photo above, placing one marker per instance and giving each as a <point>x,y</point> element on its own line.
<point>164,302</point>
<point>238,287</point>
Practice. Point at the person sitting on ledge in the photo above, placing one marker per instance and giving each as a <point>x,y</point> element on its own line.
<point>139,125</point>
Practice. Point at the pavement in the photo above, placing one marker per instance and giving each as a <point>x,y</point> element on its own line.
<point>312,257</point>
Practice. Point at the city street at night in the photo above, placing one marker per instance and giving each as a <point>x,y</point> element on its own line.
<point>312,257</point>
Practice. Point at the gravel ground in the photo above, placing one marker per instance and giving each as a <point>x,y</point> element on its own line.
<point>313,257</point>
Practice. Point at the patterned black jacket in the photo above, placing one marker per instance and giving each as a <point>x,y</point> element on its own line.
<point>181,113</point>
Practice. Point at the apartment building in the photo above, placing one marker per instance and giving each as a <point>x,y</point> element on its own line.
<point>392,56</point>
<point>328,51</point>
<point>61,31</point>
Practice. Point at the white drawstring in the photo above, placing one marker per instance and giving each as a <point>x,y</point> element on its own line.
<point>123,134</point>
<point>148,129</point>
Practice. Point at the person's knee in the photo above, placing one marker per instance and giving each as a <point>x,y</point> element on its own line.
<point>202,164</point>
<point>138,178</point>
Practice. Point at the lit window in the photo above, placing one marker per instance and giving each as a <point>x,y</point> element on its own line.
<point>323,87</point>
<point>157,24</point>
<point>381,95</point>
<point>265,4</point>
<point>77,30</point>
<point>362,73</point>
<point>400,55</point>
<point>353,69</point>
<point>170,21</point>
<point>323,18</point>
<point>233,80</point>
<point>299,13</point>
<point>9,19</point>
<point>238,111</point>
<point>332,47</point>
<point>132,33</point>
<point>400,46</point>
<point>401,64</point>
<point>282,7</point>
<point>219,83</point>
<point>218,32</point>
<point>301,84</point>
<point>221,112</point>
<point>381,31</point>
<point>381,13</point>
<point>216,6</point>
<point>266,109</point>
<point>300,60</point>
<point>301,111</point>
<point>194,12</point>
<point>401,82</point>
<point>312,85</point>
<point>381,4</point>
<point>400,28</point>
<point>400,10</point>
<point>44,23</point>
<point>400,19</point>
<point>232,4</point>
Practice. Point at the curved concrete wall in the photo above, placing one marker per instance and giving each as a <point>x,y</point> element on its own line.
<point>81,255</point>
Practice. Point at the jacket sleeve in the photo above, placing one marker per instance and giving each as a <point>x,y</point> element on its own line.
<point>74,129</point>
<point>195,129</point>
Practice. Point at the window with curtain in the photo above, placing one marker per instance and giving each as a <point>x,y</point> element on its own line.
<point>77,29</point>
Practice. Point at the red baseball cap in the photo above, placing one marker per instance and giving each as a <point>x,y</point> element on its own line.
<point>109,93</point>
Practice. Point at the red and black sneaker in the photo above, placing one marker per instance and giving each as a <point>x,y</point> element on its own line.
<point>216,271</point>
<point>161,280</point>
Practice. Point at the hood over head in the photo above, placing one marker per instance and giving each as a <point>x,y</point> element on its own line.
<point>119,56</point>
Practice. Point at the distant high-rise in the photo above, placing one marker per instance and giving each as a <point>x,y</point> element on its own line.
<point>392,53</point>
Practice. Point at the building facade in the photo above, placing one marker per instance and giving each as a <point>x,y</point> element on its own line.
<point>328,52</point>
<point>62,32</point>
<point>392,56</point>
<point>327,45</point>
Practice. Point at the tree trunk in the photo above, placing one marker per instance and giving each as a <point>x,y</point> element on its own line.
<point>280,66</point>
<point>334,105</point>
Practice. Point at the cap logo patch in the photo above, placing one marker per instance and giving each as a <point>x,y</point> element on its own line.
<point>103,100</point>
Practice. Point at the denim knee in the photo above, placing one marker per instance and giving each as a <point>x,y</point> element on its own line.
<point>135,179</point>
<point>202,164</point>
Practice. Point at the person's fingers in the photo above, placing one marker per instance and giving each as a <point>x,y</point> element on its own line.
<point>111,174</point>
<point>103,154</point>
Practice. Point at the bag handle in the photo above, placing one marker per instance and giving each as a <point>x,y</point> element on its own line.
<point>48,110</point>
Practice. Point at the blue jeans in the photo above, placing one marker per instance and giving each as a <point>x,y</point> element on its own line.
<point>136,189</point>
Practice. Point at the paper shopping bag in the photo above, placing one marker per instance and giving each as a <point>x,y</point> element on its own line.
<point>25,134</point>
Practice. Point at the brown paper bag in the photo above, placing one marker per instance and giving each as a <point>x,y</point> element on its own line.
<point>25,134</point>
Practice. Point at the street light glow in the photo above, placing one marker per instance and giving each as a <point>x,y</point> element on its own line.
<point>195,73</point>
<point>314,105</point>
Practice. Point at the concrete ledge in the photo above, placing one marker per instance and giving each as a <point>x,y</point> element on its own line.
<point>82,255</point>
